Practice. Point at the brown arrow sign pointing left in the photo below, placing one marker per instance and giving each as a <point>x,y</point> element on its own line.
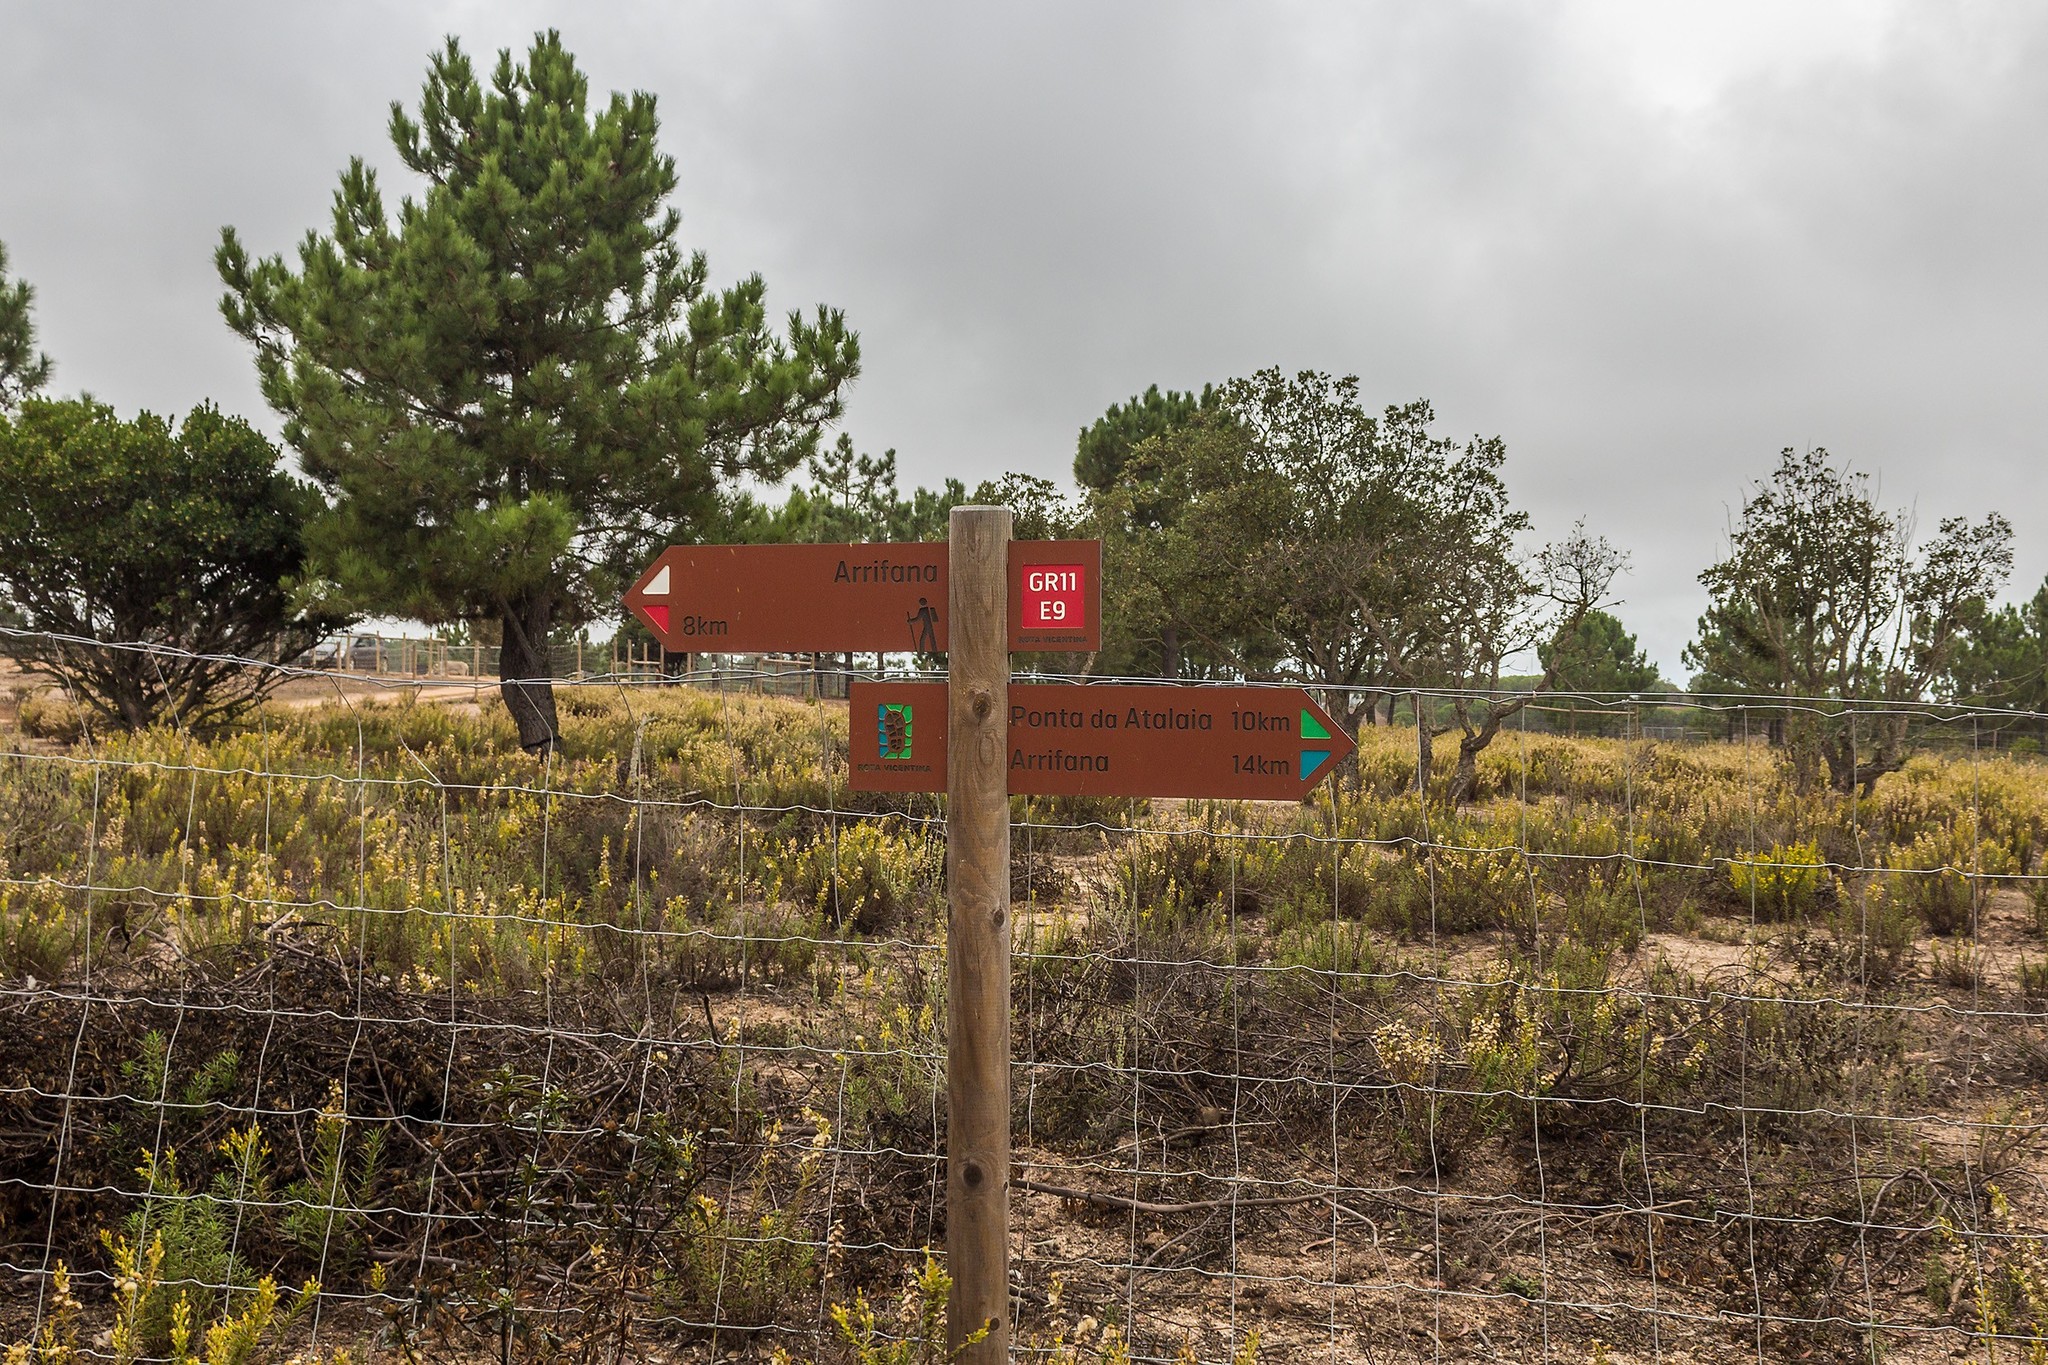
<point>1243,743</point>
<point>826,599</point>
<point>836,599</point>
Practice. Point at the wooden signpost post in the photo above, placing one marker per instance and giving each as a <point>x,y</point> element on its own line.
<point>978,941</point>
<point>981,740</point>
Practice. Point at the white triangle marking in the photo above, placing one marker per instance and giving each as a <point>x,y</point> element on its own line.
<point>657,586</point>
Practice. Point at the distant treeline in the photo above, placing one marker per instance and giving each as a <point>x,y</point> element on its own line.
<point>502,397</point>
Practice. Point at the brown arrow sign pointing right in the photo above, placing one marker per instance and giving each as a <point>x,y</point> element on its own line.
<point>1244,743</point>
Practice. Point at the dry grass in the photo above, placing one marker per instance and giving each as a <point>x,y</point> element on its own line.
<point>652,1037</point>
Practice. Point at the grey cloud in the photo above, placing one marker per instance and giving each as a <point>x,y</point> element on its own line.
<point>1035,211</point>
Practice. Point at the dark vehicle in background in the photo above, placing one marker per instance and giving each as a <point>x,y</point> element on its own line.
<point>357,653</point>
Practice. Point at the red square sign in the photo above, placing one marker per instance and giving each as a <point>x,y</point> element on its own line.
<point>1053,598</point>
<point>1056,595</point>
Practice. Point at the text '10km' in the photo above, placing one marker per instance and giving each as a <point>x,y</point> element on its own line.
<point>1248,743</point>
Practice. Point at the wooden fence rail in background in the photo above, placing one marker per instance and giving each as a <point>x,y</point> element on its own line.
<point>395,656</point>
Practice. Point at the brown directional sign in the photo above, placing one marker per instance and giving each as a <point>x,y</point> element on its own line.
<point>831,599</point>
<point>1249,743</point>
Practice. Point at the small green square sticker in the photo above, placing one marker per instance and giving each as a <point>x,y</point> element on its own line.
<point>893,728</point>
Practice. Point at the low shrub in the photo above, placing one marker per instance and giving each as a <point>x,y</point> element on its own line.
<point>1873,931</point>
<point>861,875</point>
<point>1785,883</point>
<point>52,716</point>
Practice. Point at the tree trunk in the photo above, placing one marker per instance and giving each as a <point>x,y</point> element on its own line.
<point>1800,738</point>
<point>131,696</point>
<point>524,676</point>
<point>1472,742</point>
<point>1169,653</point>
<point>115,683</point>
<point>1465,777</point>
<point>1855,761</point>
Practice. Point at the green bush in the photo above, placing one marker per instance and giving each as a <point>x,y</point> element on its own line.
<point>1943,899</point>
<point>50,715</point>
<point>1785,883</point>
<point>861,876</point>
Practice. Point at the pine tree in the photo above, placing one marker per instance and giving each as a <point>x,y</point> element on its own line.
<point>852,495</point>
<point>22,370</point>
<point>1115,456</point>
<point>1106,443</point>
<point>518,387</point>
<point>1598,655</point>
<point>2003,662</point>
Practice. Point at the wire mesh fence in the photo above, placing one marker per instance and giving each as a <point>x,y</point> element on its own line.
<point>1678,1042</point>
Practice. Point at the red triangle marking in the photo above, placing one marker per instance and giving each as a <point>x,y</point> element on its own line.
<point>657,616</point>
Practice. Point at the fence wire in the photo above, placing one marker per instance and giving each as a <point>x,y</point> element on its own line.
<point>1712,1028</point>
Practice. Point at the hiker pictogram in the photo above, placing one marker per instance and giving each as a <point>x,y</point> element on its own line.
<point>924,627</point>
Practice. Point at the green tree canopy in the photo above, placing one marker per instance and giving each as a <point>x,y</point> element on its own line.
<point>1599,656</point>
<point>1314,542</point>
<point>1042,510</point>
<point>1126,506</point>
<point>1107,442</point>
<point>23,369</point>
<point>2003,661</point>
<point>854,497</point>
<point>1267,493</point>
<point>1823,594</point>
<point>138,534</point>
<point>519,385</point>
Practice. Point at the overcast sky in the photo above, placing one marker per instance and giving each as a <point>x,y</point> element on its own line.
<point>1648,245</point>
